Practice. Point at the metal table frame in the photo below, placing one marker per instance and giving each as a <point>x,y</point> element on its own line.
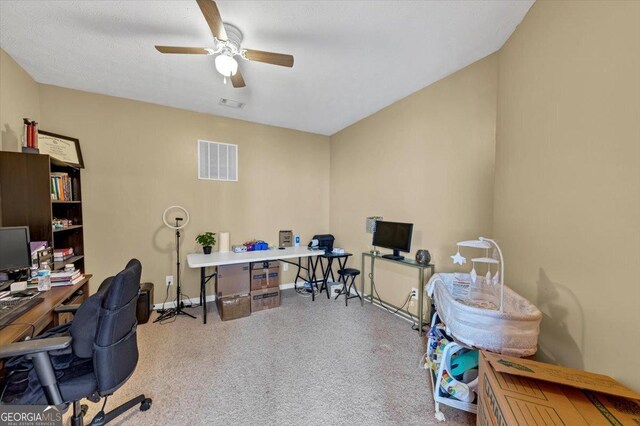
<point>342,263</point>
<point>405,262</point>
<point>311,273</point>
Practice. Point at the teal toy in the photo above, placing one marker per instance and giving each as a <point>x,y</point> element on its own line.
<point>464,362</point>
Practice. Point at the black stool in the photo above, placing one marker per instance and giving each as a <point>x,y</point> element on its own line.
<point>345,274</point>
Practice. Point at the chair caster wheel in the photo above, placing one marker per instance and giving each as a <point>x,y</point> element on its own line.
<point>146,404</point>
<point>84,408</point>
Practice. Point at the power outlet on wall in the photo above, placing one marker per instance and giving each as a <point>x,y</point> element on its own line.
<point>414,293</point>
<point>169,280</point>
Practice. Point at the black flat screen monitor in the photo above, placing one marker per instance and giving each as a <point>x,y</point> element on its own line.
<point>15,252</point>
<point>395,236</point>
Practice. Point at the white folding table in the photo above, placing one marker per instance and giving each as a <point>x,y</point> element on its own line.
<point>203,261</point>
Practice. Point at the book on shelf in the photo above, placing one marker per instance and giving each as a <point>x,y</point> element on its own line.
<point>62,258</point>
<point>62,254</point>
<point>62,278</point>
<point>61,189</point>
<point>68,282</point>
<point>70,278</point>
<point>64,274</point>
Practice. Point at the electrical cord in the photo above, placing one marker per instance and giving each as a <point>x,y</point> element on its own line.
<point>6,384</point>
<point>33,327</point>
<point>33,332</point>
<point>302,291</point>
<point>375,290</point>
<point>104,404</point>
<point>414,326</point>
<point>166,297</point>
<point>191,304</point>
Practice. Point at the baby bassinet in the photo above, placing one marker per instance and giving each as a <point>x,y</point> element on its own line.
<point>472,316</point>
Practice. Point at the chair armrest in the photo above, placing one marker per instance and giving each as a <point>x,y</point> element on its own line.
<point>34,346</point>
<point>66,308</point>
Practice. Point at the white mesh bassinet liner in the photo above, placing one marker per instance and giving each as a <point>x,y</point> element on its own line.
<point>511,332</point>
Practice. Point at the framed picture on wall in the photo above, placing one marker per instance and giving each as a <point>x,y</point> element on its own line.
<point>63,148</point>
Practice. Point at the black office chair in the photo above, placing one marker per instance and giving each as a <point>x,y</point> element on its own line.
<point>91,357</point>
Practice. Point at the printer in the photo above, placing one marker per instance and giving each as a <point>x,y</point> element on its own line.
<point>322,242</point>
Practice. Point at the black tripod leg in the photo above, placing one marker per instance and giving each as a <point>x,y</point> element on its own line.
<point>181,312</point>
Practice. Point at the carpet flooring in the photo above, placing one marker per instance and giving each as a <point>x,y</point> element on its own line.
<point>304,363</point>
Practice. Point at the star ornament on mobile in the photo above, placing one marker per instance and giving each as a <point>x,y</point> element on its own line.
<point>458,258</point>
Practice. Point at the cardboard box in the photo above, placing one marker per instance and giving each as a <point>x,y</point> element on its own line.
<point>234,307</point>
<point>517,391</point>
<point>286,239</point>
<point>232,280</point>
<point>265,299</point>
<point>265,275</point>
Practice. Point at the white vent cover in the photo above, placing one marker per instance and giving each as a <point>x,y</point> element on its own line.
<point>217,161</point>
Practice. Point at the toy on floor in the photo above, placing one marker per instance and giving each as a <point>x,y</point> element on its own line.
<point>458,376</point>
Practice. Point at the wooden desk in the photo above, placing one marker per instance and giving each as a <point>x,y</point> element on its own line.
<point>42,315</point>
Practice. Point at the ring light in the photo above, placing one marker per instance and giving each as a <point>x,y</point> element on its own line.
<point>178,309</point>
<point>186,214</point>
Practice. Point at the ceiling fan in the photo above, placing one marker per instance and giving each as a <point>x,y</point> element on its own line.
<point>227,45</point>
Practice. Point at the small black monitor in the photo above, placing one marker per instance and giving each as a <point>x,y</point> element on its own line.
<point>395,236</point>
<point>15,252</point>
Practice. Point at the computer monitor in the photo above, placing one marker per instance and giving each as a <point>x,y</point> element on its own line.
<point>393,235</point>
<point>15,252</point>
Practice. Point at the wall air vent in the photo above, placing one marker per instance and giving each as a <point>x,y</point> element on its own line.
<point>217,161</point>
<point>231,103</point>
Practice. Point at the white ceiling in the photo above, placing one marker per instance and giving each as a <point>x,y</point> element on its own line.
<point>352,58</point>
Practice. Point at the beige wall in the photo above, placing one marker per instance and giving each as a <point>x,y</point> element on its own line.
<point>19,98</point>
<point>567,194</point>
<point>141,158</point>
<point>556,111</point>
<point>427,159</point>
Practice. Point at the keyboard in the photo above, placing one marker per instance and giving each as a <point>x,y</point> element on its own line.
<point>13,307</point>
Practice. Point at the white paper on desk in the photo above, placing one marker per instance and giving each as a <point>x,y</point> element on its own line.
<point>19,286</point>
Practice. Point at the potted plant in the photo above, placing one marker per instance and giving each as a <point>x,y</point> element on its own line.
<point>206,240</point>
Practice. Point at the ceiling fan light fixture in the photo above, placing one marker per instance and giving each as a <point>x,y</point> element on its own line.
<point>226,65</point>
<point>227,45</point>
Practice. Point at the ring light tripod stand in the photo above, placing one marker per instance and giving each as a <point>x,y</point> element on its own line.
<point>174,312</point>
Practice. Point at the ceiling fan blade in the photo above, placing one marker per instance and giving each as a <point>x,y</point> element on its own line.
<point>269,57</point>
<point>186,50</point>
<point>237,80</point>
<point>212,15</point>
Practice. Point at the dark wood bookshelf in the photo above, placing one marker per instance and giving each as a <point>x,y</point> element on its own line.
<point>67,228</point>
<point>59,264</point>
<point>25,200</point>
